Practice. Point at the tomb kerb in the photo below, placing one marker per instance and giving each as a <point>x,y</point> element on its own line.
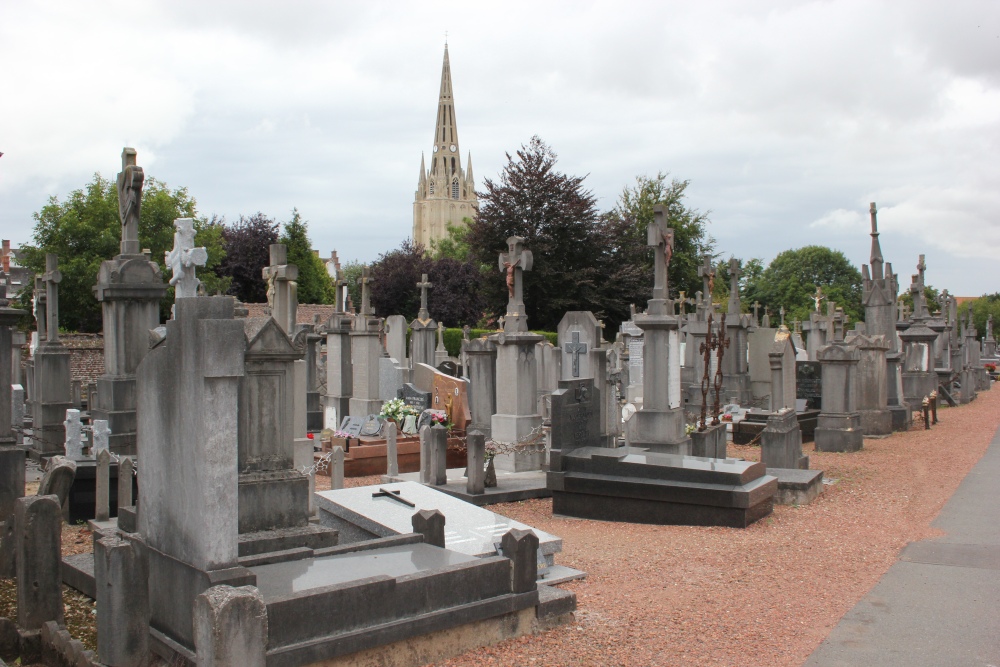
<point>366,348</point>
<point>52,390</point>
<point>129,289</point>
<point>517,408</point>
<point>839,426</point>
<point>659,425</point>
<point>339,373</point>
<point>424,328</point>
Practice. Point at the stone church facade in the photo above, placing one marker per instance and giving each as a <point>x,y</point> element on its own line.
<point>446,193</point>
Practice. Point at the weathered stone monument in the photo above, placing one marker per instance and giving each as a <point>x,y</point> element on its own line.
<point>781,440</point>
<point>11,413</point>
<point>839,425</point>
<point>183,258</point>
<point>735,371</point>
<point>919,377</point>
<point>339,369</point>
<point>659,425</point>
<point>423,330</point>
<point>880,287</point>
<point>52,390</point>
<point>481,366</point>
<point>876,420</point>
<point>517,408</point>
<point>366,348</point>
<point>130,288</point>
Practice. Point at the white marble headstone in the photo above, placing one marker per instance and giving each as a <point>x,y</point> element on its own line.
<point>74,434</point>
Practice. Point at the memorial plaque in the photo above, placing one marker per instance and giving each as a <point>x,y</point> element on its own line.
<point>352,426</point>
<point>576,420</point>
<point>415,398</point>
<point>635,352</point>
<point>451,395</point>
<point>808,384</point>
<point>372,426</point>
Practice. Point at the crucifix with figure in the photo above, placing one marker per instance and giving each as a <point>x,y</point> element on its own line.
<point>514,263</point>
<point>575,349</point>
<point>424,315</point>
<point>52,277</point>
<point>282,290</point>
<point>130,180</point>
<point>661,237</point>
<point>707,273</point>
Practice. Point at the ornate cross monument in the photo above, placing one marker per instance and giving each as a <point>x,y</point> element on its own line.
<point>366,348</point>
<point>660,237</point>
<point>130,288</point>
<point>183,258</point>
<point>282,290</point>
<point>707,273</point>
<point>514,263</point>
<point>422,350</point>
<point>52,277</point>
<point>575,348</point>
<point>52,390</point>
<point>424,315</point>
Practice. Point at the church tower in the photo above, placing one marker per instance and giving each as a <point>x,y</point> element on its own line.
<point>446,193</point>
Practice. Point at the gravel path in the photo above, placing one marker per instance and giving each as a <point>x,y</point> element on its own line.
<point>766,595</point>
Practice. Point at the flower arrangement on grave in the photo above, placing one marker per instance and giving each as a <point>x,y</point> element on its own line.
<point>396,410</point>
<point>440,418</point>
<point>992,368</point>
<point>689,429</point>
<point>341,434</point>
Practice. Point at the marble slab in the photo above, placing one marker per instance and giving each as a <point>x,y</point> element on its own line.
<point>469,529</point>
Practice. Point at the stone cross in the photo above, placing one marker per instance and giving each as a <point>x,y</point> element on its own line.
<point>74,434</point>
<point>756,307</point>
<point>818,297</point>
<point>989,326</point>
<point>707,273</point>
<point>440,336</point>
<point>366,281</point>
<point>782,311</point>
<point>575,348</point>
<point>282,290</point>
<point>38,303</point>
<point>100,432</point>
<point>661,237</point>
<point>130,180</point>
<point>766,321</point>
<point>52,277</point>
<point>424,315</point>
<point>183,258</point>
<point>514,263</point>
<point>921,267</point>
<point>734,285</point>
<point>682,300</point>
<point>338,304</point>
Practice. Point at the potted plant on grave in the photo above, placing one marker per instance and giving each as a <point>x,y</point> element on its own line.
<point>395,410</point>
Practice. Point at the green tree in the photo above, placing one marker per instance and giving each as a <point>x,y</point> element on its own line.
<point>982,308</point>
<point>791,279</point>
<point>351,272</point>
<point>315,284</point>
<point>84,230</point>
<point>558,219</point>
<point>455,245</point>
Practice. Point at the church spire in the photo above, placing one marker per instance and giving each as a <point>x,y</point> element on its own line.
<point>876,258</point>
<point>446,153</point>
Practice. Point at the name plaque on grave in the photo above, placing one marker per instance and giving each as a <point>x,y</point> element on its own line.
<point>372,426</point>
<point>809,385</point>
<point>352,426</point>
<point>415,398</point>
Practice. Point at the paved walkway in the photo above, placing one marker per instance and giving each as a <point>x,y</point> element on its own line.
<point>939,604</point>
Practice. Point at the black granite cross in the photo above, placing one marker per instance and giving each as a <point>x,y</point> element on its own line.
<point>386,493</point>
<point>575,348</point>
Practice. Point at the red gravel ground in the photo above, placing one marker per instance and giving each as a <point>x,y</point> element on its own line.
<point>766,595</point>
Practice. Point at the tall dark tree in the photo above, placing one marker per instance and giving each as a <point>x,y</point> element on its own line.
<point>791,279</point>
<point>248,250</point>
<point>454,299</point>
<point>314,283</point>
<point>84,230</point>
<point>558,219</point>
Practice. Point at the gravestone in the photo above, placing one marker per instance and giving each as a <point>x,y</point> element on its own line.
<point>423,330</point>
<point>395,339</point>
<point>440,352</point>
<point>872,384</point>
<point>839,425</point>
<point>580,342</point>
<point>183,258</point>
<point>415,398</point>
<point>366,349</point>
<point>74,435</point>
<point>372,426</point>
<point>129,288</point>
<point>449,367</point>
<point>339,369</point>
<point>52,389</point>
<point>517,413</point>
<point>352,426</point>
<point>451,395</point>
<point>781,440</point>
<point>481,357</point>
<point>808,384</point>
<point>390,378</point>
<point>576,423</point>
<point>633,344</point>
<point>759,343</point>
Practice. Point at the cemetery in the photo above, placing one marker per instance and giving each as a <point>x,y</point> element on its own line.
<point>295,480</point>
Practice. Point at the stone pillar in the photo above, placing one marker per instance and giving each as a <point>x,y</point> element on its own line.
<point>74,435</point>
<point>391,452</point>
<point>517,408</point>
<point>339,369</point>
<point>337,468</point>
<point>425,454</point>
<point>481,356</point>
<point>125,472</point>
<point>430,524</point>
<point>439,455</point>
<point>38,538</point>
<point>366,348</point>
<point>839,426</point>
<point>17,409</point>
<point>12,419</point>
<point>873,388</point>
<point>121,579</point>
<point>230,627</point>
<point>102,484</point>
<point>659,425</point>
<point>475,447</point>
<point>521,547</point>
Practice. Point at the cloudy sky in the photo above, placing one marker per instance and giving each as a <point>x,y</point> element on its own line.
<point>788,118</point>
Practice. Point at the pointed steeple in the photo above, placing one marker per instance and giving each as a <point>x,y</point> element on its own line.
<point>469,179</point>
<point>422,179</point>
<point>446,152</point>
<point>876,258</point>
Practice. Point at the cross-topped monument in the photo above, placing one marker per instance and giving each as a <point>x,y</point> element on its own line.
<point>366,299</point>
<point>756,309</point>
<point>817,297</point>
<point>514,263</point>
<point>339,304</point>
<point>424,315</point>
<point>52,277</point>
<point>575,349</point>
<point>707,273</point>
<point>782,311</point>
<point>183,259</point>
<point>734,286</point>
<point>661,237</point>
<point>282,290</point>
<point>130,180</point>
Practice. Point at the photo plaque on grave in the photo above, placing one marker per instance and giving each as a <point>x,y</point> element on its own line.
<point>372,426</point>
<point>352,426</point>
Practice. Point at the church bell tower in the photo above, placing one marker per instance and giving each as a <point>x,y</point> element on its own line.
<point>446,192</point>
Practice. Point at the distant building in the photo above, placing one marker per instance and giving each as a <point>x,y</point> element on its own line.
<point>19,276</point>
<point>446,193</point>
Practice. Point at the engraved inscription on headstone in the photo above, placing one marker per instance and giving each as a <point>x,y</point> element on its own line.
<point>372,426</point>
<point>808,383</point>
<point>415,398</point>
<point>352,426</point>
